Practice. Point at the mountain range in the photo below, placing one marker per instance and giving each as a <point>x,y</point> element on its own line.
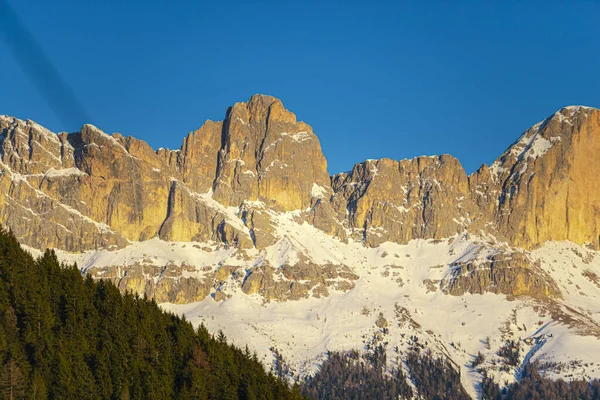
<point>243,228</point>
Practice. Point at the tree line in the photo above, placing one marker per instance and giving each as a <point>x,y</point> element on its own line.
<point>63,336</point>
<point>534,386</point>
<point>351,375</point>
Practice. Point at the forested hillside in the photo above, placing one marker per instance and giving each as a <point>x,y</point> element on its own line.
<point>67,337</point>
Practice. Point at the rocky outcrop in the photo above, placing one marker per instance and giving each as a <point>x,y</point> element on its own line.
<point>179,284</point>
<point>195,217</point>
<point>293,282</point>
<point>510,274</point>
<point>167,284</point>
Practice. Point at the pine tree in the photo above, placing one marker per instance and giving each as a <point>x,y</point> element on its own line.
<point>12,381</point>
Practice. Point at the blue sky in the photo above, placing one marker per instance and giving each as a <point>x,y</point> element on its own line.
<point>374,79</point>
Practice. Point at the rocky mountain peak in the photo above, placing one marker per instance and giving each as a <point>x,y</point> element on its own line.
<point>268,156</point>
<point>261,107</point>
<point>538,139</point>
<point>577,109</point>
<point>540,182</point>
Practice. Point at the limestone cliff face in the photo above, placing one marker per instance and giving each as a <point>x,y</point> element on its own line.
<point>268,156</point>
<point>542,188</point>
<point>197,158</point>
<point>88,190</point>
<point>397,201</point>
<point>548,181</point>
<point>283,283</point>
<point>41,189</point>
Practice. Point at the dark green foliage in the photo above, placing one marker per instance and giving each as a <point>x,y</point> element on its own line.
<point>533,386</point>
<point>435,378</point>
<point>352,376</point>
<point>280,367</point>
<point>478,360</point>
<point>511,352</point>
<point>349,376</point>
<point>490,390</point>
<point>66,337</point>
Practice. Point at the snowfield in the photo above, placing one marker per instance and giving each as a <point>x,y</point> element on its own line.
<point>399,285</point>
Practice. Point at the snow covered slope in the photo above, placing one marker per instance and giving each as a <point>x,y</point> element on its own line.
<point>399,296</point>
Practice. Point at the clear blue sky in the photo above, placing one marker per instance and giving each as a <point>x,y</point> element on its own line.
<point>374,79</point>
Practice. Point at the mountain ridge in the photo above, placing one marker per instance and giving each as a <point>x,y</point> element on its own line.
<point>211,121</point>
<point>259,156</point>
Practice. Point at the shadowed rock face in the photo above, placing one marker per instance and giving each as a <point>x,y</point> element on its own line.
<point>88,190</point>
